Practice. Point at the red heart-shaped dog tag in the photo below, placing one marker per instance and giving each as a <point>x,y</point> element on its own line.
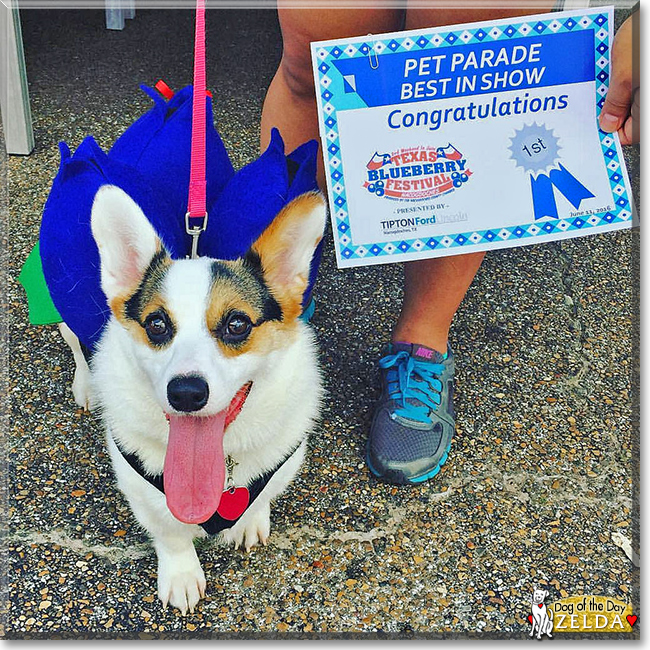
<point>233,503</point>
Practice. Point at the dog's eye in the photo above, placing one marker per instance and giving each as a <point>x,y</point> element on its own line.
<point>158,328</point>
<point>237,328</point>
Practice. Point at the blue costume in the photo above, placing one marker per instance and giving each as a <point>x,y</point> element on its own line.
<point>150,161</point>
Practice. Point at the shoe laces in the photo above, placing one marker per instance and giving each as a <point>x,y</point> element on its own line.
<point>414,384</point>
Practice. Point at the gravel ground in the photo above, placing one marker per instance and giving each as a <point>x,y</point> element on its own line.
<point>542,480</point>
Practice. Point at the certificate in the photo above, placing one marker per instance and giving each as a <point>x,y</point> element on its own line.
<point>469,137</point>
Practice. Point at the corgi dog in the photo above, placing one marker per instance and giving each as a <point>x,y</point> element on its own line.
<point>206,380</point>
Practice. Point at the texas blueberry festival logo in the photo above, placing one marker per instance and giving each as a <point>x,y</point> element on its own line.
<point>416,173</point>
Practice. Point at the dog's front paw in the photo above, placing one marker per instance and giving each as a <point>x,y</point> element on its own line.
<point>254,527</point>
<point>181,583</point>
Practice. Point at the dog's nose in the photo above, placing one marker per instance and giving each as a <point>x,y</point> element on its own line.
<point>188,394</point>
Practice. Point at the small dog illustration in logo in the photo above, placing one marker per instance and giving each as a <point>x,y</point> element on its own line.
<point>541,619</point>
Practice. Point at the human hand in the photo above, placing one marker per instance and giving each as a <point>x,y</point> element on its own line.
<point>621,109</point>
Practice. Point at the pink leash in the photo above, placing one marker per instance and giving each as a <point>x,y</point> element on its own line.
<point>196,208</point>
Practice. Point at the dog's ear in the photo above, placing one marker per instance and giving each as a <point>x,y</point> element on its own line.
<point>126,240</point>
<point>286,248</point>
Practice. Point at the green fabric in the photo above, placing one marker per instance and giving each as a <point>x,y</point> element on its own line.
<point>41,308</point>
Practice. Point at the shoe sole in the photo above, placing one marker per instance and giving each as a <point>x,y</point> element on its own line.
<point>397,477</point>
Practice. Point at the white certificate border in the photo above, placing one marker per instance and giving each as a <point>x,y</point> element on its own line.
<point>350,253</point>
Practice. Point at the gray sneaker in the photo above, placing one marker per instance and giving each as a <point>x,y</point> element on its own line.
<point>414,420</point>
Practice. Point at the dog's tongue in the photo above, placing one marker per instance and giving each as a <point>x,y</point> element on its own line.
<point>195,469</point>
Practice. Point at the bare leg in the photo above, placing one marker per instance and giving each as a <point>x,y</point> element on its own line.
<point>290,103</point>
<point>446,12</point>
<point>433,289</point>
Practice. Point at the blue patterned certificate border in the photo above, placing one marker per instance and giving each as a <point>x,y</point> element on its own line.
<point>351,253</point>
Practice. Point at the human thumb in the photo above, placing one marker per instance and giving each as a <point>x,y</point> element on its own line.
<point>623,80</point>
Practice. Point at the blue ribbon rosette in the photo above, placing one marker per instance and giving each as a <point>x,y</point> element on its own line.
<point>536,149</point>
<point>567,184</point>
<point>150,161</point>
